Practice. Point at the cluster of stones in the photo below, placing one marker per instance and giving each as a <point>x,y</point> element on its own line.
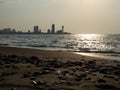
<point>54,66</point>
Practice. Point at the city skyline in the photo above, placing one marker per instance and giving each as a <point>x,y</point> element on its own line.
<point>36,30</point>
<point>78,16</point>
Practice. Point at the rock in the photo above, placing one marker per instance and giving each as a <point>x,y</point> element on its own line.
<point>107,87</point>
<point>39,65</point>
<point>116,78</point>
<point>14,58</point>
<point>48,84</point>
<point>58,72</point>
<point>7,66</point>
<point>32,78</point>
<point>2,79</point>
<point>117,72</point>
<point>101,81</point>
<point>93,74</point>
<point>62,77</point>
<point>109,76</point>
<point>87,78</point>
<point>83,75</point>
<point>51,89</point>
<point>103,70</point>
<point>0,73</point>
<point>78,77</point>
<point>25,75</point>
<point>1,63</point>
<point>7,73</point>
<point>55,64</point>
<point>34,82</point>
<point>77,63</point>
<point>13,88</point>
<point>88,72</point>
<point>37,73</point>
<point>15,67</point>
<point>39,84</point>
<point>48,68</point>
<point>65,72</point>
<point>91,63</point>
<point>4,57</point>
<point>46,72</point>
<point>34,58</point>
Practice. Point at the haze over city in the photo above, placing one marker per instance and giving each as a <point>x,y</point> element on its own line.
<point>78,16</point>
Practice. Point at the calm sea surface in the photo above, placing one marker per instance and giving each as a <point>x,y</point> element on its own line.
<point>82,43</point>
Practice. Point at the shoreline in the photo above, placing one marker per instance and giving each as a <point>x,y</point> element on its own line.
<point>56,70</point>
<point>93,54</point>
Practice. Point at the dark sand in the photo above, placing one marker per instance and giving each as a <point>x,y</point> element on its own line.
<point>30,69</point>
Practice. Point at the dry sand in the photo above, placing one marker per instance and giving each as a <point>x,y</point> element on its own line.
<point>31,69</point>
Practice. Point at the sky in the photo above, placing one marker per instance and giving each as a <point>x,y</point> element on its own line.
<point>77,16</point>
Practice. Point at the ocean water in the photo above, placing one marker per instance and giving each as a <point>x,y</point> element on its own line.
<point>81,43</point>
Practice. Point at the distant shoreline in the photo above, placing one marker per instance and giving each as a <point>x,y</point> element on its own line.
<point>97,54</point>
<point>38,33</point>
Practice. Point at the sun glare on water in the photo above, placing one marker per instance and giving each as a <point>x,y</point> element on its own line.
<point>88,36</point>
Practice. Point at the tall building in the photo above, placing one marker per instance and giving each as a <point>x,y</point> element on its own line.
<point>36,29</point>
<point>53,29</point>
<point>48,31</point>
<point>62,29</point>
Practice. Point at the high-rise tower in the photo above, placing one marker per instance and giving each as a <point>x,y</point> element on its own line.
<point>53,29</point>
<point>62,29</point>
<point>36,29</point>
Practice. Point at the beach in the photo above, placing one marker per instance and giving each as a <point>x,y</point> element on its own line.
<point>33,69</point>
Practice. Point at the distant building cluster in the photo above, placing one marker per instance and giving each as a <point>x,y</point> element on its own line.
<point>52,31</point>
<point>36,30</point>
<point>8,31</point>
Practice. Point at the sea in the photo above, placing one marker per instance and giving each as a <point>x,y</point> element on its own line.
<point>97,45</point>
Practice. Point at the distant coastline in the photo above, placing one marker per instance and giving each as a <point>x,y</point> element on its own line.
<point>37,33</point>
<point>36,30</point>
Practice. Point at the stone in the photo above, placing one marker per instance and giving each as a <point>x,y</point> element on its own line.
<point>62,77</point>
<point>46,72</point>
<point>109,76</point>
<point>101,81</point>
<point>32,78</point>
<point>39,84</point>
<point>25,75</point>
<point>103,70</point>
<point>13,88</point>
<point>107,87</point>
<point>7,73</point>
<point>78,77</point>
<point>34,82</point>
<point>34,58</point>
<point>37,73</point>
<point>87,78</point>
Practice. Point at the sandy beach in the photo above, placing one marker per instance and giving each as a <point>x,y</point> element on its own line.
<point>32,69</point>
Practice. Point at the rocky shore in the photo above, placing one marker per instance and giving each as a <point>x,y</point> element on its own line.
<point>34,73</point>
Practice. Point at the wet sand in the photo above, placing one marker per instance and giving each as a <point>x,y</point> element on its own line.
<point>31,69</point>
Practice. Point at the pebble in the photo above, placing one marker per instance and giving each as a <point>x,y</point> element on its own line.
<point>107,87</point>
<point>13,88</point>
<point>101,81</point>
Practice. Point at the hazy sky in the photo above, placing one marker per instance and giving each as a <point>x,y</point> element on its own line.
<point>78,16</point>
